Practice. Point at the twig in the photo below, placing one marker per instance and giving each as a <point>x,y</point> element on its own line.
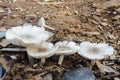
<point>55,3</point>
<point>49,27</point>
<point>12,50</point>
<point>43,73</point>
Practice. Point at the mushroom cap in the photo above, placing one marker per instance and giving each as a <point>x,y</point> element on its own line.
<point>45,50</point>
<point>27,35</point>
<point>66,47</point>
<point>95,51</point>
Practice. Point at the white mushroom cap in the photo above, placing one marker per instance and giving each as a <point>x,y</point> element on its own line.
<point>66,47</point>
<point>45,50</point>
<point>27,35</point>
<point>95,51</point>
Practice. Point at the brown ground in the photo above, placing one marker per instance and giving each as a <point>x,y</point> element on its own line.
<point>74,20</point>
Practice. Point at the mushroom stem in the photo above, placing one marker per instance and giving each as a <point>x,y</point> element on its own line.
<point>99,65</point>
<point>31,60</point>
<point>61,59</point>
<point>43,60</point>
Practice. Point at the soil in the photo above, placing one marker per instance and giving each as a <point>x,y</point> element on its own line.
<point>73,20</point>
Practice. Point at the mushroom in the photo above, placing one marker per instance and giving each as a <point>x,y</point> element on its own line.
<point>42,24</point>
<point>27,35</point>
<point>65,48</point>
<point>43,51</point>
<point>96,52</point>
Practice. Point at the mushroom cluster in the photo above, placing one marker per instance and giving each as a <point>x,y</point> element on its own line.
<point>35,38</point>
<point>27,35</point>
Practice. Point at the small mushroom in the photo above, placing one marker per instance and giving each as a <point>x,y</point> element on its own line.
<point>95,51</point>
<point>42,24</point>
<point>65,48</point>
<point>27,35</point>
<point>43,51</point>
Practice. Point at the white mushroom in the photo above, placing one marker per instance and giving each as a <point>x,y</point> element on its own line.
<point>94,51</point>
<point>42,24</point>
<point>45,50</point>
<point>65,48</point>
<point>27,35</point>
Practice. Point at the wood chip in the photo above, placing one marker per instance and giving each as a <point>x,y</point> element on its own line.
<point>109,69</point>
<point>99,65</point>
<point>48,77</point>
<point>3,29</point>
<point>49,0</point>
<point>29,69</point>
<point>36,0</point>
<point>4,43</point>
<point>4,63</point>
<point>37,77</point>
<point>111,3</point>
<point>91,33</point>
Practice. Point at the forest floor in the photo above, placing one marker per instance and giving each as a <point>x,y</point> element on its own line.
<point>73,20</point>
